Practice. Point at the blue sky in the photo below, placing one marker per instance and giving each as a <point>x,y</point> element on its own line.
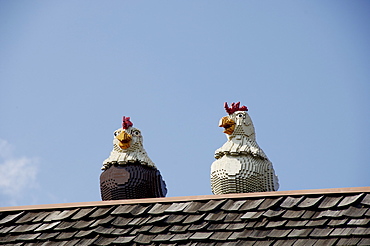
<point>69,71</point>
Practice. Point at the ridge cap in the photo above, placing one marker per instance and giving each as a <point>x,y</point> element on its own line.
<point>187,198</point>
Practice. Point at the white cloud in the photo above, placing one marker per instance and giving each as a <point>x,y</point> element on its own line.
<point>5,149</point>
<point>17,174</point>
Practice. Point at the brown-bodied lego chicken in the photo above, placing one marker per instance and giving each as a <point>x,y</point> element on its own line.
<point>129,173</point>
<point>241,165</point>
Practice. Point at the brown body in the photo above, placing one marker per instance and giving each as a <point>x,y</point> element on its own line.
<point>131,181</point>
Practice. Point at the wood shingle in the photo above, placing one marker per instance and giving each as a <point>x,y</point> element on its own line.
<point>315,217</point>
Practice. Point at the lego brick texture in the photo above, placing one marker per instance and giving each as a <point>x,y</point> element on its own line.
<point>131,181</point>
<point>241,166</point>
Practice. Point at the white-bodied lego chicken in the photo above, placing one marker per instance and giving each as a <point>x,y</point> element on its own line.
<point>241,165</point>
<point>129,173</point>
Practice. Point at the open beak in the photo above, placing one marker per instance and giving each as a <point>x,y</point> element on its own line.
<point>124,140</point>
<point>228,124</point>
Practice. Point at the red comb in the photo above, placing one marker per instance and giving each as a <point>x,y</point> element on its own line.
<point>234,107</point>
<point>126,123</point>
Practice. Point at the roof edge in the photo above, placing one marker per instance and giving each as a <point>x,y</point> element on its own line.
<point>188,198</point>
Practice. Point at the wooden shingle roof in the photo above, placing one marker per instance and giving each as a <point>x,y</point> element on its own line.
<point>309,217</point>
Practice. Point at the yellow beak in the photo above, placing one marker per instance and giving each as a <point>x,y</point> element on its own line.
<point>228,124</point>
<point>124,139</point>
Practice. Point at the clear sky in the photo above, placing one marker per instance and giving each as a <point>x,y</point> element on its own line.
<point>69,71</point>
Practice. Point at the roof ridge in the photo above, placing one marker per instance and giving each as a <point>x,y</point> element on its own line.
<point>188,198</point>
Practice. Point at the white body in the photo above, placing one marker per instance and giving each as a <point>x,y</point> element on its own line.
<point>241,165</point>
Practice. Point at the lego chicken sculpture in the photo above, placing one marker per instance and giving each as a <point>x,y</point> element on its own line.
<point>241,165</point>
<point>129,173</point>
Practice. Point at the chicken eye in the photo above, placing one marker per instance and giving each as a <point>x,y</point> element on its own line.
<point>136,133</point>
<point>115,134</point>
<point>240,115</point>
